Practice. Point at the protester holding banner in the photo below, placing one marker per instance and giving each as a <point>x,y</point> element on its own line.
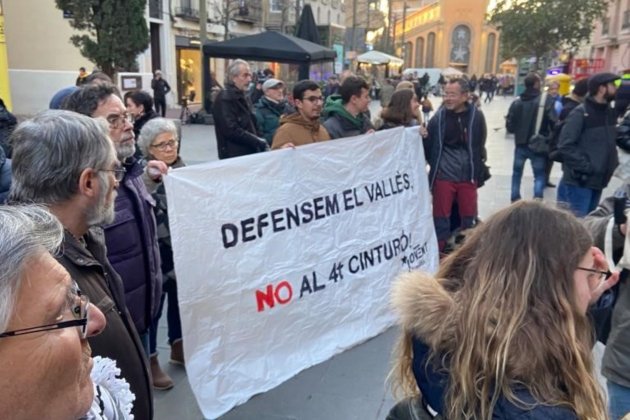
<point>502,332</point>
<point>346,117</point>
<point>234,120</point>
<point>302,127</point>
<point>158,140</point>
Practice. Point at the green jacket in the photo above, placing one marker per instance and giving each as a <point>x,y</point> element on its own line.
<point>268,115</point>
<point>340,123</point>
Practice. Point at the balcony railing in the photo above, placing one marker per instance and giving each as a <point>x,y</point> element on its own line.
<point>626,20</point>
<point>249,12</point>
<point>188,13</point>
<point>155,9</point>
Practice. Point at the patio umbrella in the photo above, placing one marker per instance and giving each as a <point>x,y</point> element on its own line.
<point>307,29</point>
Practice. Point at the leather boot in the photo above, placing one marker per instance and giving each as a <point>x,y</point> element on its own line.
<point>161,380</point>
<point>177,352</point>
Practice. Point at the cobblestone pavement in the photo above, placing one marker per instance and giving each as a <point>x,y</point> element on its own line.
<point>351,385</point>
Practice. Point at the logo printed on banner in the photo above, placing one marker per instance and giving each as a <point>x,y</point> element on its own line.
<point>284,259</point>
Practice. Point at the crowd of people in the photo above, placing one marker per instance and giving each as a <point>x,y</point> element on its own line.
<point>504,329</point>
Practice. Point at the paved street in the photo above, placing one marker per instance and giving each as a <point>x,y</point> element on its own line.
<point>350,385</point>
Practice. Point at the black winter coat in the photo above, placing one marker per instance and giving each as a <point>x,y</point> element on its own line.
<point>587,145</point>
<point>521,118</point>
<point>434,144</point>
<point>235,124</point>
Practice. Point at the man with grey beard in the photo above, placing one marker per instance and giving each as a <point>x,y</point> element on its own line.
<point>66,162</point>
<point>132,246</point>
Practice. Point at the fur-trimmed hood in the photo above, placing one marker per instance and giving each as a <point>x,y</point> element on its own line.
<point>422,305</point>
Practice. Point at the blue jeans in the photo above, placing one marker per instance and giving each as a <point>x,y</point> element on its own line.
<point>618,400</point>
<point>174,323</point>
<point>521,154</point>
<point>581,201</point>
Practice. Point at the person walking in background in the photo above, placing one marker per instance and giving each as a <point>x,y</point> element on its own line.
<point>587,147</point>
<point>475,340</point>
<point>160,88</point>
<point>158,141</point>
<point>569,103</point>
<point>270,108</point>
<point>81,79</point>
<point>521,121</point>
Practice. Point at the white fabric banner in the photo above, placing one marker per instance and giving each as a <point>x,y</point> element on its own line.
<point>284,259</point>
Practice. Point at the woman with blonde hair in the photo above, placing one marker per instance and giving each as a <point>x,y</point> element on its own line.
<point>502,331</point>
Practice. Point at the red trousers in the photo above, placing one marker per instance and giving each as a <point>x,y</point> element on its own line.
<point>445,194</point>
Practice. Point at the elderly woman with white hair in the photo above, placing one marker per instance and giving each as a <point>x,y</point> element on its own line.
<point>158,141</point>
<point>45,321</point>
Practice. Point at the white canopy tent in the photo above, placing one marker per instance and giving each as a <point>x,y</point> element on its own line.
<point>377,57</point>
<point>451,72</point>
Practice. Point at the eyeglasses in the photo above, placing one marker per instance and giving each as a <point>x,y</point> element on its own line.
<point>118,121</point>
<point>77,304</point>
<point>315,99</point>
<point>597,277</point>
<point>167,144</point>
<point>119,172</point>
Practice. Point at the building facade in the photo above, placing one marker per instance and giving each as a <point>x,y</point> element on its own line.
<point>447,33</point>
<point>41,58</point>
<point>610,41</point>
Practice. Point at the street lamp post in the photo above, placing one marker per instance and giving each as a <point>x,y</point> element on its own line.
<point>367,25</point>
<point>354,23</point>
<point>404,23</point>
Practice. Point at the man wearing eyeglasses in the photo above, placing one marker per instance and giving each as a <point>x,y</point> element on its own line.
<point>132,246</point>
<point>66,161</point>
<point>45,322</point>
<point>302,127</point>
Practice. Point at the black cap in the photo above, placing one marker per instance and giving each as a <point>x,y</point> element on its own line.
<point>599,79</point>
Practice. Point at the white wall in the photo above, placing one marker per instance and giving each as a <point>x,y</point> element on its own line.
<point>31,90</point>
